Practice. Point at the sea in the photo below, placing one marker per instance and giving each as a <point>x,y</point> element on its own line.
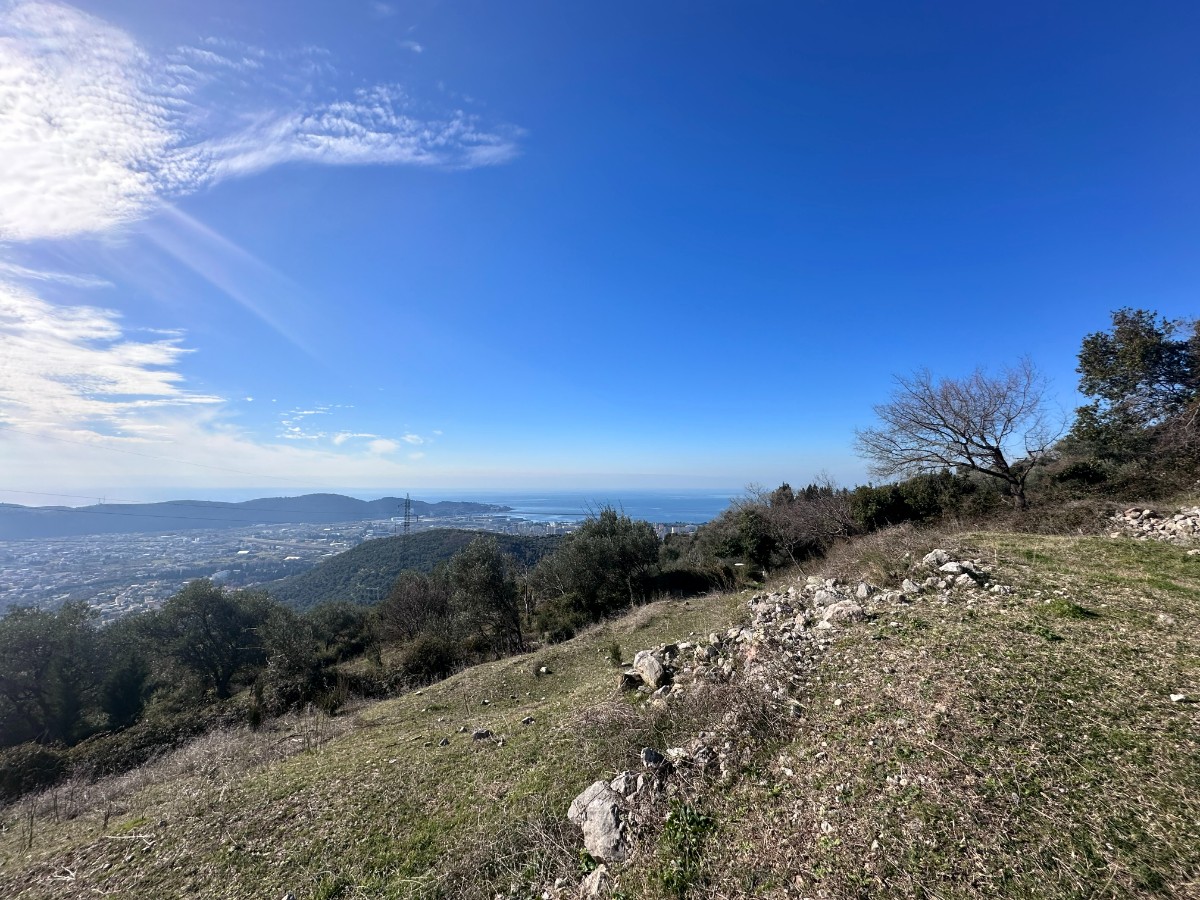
<point>693,507</point>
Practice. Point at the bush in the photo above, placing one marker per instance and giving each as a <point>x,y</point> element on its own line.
<point>429,657</point>
<point>29,767</point>
<point>120,751</point>
<point>559,619</point>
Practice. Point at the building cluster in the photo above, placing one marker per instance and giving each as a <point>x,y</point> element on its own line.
<point>120,574</point>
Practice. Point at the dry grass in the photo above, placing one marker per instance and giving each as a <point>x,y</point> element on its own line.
<point>1017,746</point>
<point>378,811</point>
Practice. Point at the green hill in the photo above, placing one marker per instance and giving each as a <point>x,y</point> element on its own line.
<point>1039,740</point>
<point>366,573</point>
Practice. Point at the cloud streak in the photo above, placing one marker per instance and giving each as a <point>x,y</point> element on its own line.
<point>95,131</point>
<point>73,369</point>
<point>75,376</point>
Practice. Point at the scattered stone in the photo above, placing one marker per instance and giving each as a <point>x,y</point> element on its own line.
<point>624,784</point>
<point>1182,527</point>
<point>910,587</point>
<point>596,884</point>
<point>825,597</point>
<point>545,670</point>
<point>444,742</point>
<point>528,720</point>
<point>842,612</point>
<point>599,812</point>
<point>649,668</point>
<point>651,758</point>
<point>936,558</point>
<point>863,591</point>
<point>481,734</point>
<point>1178,698</point>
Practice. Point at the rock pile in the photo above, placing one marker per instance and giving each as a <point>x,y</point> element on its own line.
<point>772,655</point>
<point>1146,524</point>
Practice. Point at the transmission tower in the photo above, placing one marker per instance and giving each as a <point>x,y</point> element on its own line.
<point>407,514</point>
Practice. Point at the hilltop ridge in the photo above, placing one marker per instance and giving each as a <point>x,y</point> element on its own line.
<point>29,522</point>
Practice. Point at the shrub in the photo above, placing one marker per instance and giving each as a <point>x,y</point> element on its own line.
<point>29,767</point>
<point>559,619</point>
<point>429,657</point>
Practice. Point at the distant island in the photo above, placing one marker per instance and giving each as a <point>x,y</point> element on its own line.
<point>29,522</point>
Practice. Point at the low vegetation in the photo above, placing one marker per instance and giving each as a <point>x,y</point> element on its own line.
<point>1034,740</point>
<point>1015,744</point>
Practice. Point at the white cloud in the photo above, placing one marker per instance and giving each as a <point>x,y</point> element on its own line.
<point>73,368</point>
<point>12,270</point>
<point>85,404</point>
<point>382,446</point>
<point>94,131</point>
<point>413,46</point>
<point>413,439</point>
<point>343,436</point>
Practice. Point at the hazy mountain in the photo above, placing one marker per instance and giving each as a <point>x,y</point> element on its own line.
<point>24,522</point>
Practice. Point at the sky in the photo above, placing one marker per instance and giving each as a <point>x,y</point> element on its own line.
<point>378,247</point>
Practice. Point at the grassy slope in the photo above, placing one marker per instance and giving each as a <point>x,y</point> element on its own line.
<point>1021,746</point>
<point>375,812</point>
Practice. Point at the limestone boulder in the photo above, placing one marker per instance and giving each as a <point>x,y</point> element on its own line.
<point>600,812</point>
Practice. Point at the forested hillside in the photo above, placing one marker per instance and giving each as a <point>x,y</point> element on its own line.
<point>366,573</point>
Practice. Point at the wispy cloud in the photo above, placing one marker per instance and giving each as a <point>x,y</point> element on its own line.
<point>22,273</point>
<point>96,131</point>
<point>74,369</point>
<point>78,377</point>
<point>413,46</point>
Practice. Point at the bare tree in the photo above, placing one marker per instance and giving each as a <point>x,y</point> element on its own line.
<point>997,426</point>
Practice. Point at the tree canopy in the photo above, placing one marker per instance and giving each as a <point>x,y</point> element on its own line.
<point>997,426</point>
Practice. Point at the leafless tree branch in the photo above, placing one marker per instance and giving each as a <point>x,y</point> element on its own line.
<point>997,426</point>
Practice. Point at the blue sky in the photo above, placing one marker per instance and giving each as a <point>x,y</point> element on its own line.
<point>379,247</point>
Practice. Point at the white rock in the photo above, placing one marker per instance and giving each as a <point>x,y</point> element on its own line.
<point>599,812</point>
<point>596,884</point>
<point>936,558</point>
<point>843,611</point>
<point>649,668</point>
